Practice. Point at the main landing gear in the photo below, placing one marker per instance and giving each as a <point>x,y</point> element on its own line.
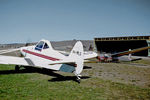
<point>17,67</point>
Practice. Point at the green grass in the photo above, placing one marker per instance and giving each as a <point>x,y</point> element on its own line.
<point>36,86</point>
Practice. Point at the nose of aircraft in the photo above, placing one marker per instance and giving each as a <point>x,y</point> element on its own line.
<point>21,50</point>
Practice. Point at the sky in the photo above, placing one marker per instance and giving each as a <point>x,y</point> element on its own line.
<point>56,20</point>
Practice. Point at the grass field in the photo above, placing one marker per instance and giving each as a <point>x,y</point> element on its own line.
<point>44,85</point>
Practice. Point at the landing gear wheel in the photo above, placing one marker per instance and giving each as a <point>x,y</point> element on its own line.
<point>78,77</point>
<point>17,68</point>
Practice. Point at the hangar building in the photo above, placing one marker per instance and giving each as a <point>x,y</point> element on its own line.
<point>119,44</point>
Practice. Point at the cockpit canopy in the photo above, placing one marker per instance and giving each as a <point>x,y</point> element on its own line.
<point>41,45</point>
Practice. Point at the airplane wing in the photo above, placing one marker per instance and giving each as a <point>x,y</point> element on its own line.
<point>10,60</point>
<point>130,52</point>
<point>63,52</point>
<point>13,60</point>
<point>8,50</point>
<point>89,55</point>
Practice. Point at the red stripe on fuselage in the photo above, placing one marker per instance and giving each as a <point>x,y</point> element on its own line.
<point>40,55</point>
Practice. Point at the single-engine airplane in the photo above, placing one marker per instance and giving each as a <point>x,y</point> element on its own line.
<point>120,55</point>
<point>43,55</point>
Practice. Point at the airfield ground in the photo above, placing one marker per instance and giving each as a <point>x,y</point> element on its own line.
<point>100,81</point>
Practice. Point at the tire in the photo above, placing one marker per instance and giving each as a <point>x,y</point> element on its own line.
<point>17,68</point>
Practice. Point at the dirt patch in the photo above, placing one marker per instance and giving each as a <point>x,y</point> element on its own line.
<point>129,73</point>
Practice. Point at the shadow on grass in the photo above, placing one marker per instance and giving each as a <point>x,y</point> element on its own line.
<point>57,77</point>
<point>67,78</point>
<point>23,71</point>
<point>87,67</point>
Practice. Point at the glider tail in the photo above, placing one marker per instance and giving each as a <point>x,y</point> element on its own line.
<point>77,55</point>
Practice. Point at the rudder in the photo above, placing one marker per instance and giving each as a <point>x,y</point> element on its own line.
<point>77,54</point>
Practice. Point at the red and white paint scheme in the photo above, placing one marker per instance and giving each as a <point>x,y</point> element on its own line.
<point>44,56</point>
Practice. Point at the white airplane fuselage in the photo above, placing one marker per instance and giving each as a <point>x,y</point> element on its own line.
<point>42,57</point>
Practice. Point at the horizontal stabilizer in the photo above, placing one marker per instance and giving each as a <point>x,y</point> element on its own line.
<point>62,62</point>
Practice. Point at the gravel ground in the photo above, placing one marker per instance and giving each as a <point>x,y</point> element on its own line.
<point>137,73</point>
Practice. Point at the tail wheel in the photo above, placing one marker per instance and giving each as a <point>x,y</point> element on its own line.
<point>78,78</point>
<point>17,68</point>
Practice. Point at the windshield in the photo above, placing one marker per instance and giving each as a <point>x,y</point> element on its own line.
<point>39,46</point>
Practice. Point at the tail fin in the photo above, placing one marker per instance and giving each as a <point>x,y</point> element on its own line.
<point>77,55</point>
